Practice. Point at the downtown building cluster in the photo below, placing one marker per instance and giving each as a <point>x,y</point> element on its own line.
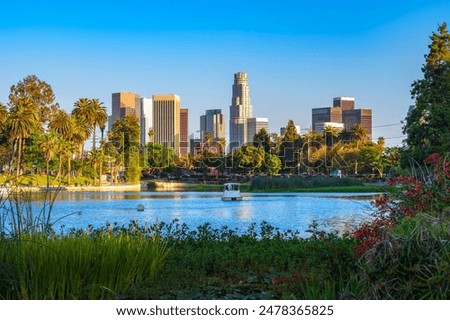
<point>162,119</point>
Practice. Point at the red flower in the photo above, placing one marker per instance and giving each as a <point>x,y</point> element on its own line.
<point>433,158</point>
<point>297,276</point>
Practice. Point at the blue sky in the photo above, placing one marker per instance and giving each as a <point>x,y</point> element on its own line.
<point>298,54</point>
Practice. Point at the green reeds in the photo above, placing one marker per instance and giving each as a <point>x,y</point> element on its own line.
<point>303,184</point>
<point>77,266</point>
<point>35,263</point>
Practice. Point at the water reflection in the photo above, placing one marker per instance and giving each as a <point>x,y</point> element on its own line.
<point>290,211</point>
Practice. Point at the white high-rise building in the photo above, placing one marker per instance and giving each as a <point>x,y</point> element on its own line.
<point>240,111</point>
<point>254,125</point>
<point>146,119</point>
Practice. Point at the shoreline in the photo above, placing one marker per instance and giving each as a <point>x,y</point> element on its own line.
<point>171,186</point>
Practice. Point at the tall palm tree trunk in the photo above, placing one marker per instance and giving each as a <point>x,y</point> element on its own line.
<point>93,140</point>
<point>100,172</point>
<point>59,175</point>
<point>19,156</point>
<point>68,168</point>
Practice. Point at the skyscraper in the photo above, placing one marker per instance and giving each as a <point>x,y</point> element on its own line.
<point>343,111</point>
<point>124,103</point>
<point>213,121</point>
<point>326,114</point>
<point>240,110</point>
<point>345,103</point>
<point>184,131</point>
<point>358,116</point>
<point>166,120</point>
<point>254,125</point>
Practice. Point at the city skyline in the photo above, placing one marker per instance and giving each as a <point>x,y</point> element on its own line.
<point>298,55</point>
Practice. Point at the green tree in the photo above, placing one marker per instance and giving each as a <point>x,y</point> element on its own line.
<point>272,164</point>
<point>248,158</point>
<point>21,123</point>
<point>62,123</point>
<point>290,134</point>
<point>3,114</point>
<point>358,134</point>
<point>160,156</point>
<point>370,156</point>
<point>91,112</point>
<point>262,140</point>
<point>427,125</point>
<point>114,160</point>
<point>290,147</point>
<point>46,142</point>
<point>331,134</point>
<point>439,48</point>
<point>100,119</point>
<point>3,135</point>
<point>125,132</point>
<point>39,94</point>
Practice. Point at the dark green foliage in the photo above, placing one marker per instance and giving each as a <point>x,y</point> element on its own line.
<point>412,262</point>
<point>428,123</point>
<point>262,263</point>
<point>262,140</point>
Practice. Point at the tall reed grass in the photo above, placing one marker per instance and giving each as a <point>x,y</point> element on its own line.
<point>36,263</point>
<point>77,266</point>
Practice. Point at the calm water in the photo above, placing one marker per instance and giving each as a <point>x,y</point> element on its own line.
<point>286,211</point>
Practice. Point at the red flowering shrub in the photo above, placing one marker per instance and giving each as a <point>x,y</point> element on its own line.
<point>431,195</point>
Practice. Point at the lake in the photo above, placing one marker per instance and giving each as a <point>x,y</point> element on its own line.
<point>286,211</point>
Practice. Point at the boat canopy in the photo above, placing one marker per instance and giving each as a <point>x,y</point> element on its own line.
<point>232,186</point>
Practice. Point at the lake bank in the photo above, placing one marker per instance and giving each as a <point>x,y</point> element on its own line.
<point>246,187</point>
<point>175,186</point>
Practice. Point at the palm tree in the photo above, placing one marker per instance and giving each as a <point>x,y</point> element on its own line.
<point>46,143</point>
<point>222,143</point>
<point>3,113</point>
<point>80,134</point>
<point>100,118</point>
<point>359,133</point>
<point>65,125</point>
<point>62,123</point>
<point>96,158</point>
<point>93,113</point>
<point>330,134</point>
<point>83,114</point>
<point>21,123</point>
<point>71,148</point>
<point>60,149</point>
<point>345,135</point>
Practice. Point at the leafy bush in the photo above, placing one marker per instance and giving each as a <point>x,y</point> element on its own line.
<point>411,262</point>
<point>405,250</point>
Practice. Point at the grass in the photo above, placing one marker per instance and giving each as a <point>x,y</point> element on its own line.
<point>77,266</point>
<point>40,180</point>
